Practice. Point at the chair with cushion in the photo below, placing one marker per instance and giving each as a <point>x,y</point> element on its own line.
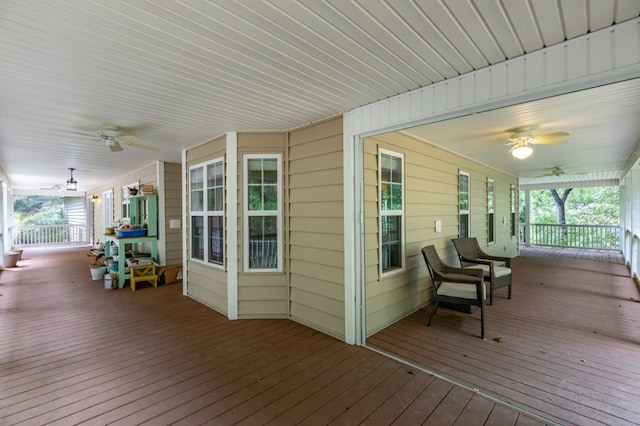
<point>455,287</point>
<point>143,273</point>
<point>497,269</point>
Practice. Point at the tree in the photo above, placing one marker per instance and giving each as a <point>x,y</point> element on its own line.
<point>560,204</point>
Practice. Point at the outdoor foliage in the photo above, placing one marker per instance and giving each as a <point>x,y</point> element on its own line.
<point>584,206</point>
<point>38,210</point>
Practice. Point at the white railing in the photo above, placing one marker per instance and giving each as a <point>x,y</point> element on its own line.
<point>597,237</point>
<point>33,235</point>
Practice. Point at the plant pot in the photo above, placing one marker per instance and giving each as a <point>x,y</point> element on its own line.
<point>10,259</point>
<point>97,272</point>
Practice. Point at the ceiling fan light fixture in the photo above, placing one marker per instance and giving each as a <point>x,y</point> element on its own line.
<point>72,184</point>
<point>521,152</point>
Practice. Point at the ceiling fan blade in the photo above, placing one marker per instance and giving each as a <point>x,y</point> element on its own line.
<point>142,146</point>
<point>553,135</point>
<point>115,147</point>
<point>128,139</point>
<point>549,142</point>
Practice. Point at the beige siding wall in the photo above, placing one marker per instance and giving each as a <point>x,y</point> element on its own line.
<point>316,227</point>
<point>431,193</point>
<point>206,283</point>
<point>173,210</point>
<point>261,294</point>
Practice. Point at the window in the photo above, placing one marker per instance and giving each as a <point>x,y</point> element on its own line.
<point>513,211</point>
<point>206,201</point>
<point>463,208</point>
<point>391,196</point>
<point>491,217</point>
<point>262,213</point>
<point>107,208</point>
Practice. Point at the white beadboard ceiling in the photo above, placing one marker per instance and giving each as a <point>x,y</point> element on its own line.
<point>179,73</point>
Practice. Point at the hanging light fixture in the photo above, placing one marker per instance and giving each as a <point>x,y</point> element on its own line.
<point>522,151</point>
<point>72,184</point>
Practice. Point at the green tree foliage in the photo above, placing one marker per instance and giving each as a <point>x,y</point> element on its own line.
<point>583,206</point>
<point>38,210</point>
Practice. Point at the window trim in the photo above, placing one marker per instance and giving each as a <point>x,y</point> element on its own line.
<point>246,213</point>
<point>206,214</point>
<point>468,210</point>
<point>124,190</point>
<point>401,213</point>
<point>491,211</point>
<point>107,209</point>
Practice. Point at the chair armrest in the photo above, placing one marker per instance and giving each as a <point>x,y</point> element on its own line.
<point>459,275</point>
<point>506,260</point>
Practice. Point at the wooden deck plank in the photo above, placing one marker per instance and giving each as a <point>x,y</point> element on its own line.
<point>72,352</point>
<point>566,343</point>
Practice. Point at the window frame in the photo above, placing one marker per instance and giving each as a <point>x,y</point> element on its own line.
<point>464,212</point>
<point>491,211</point>
<point>206,214</point>
<point>247,214</point>
<point>382,212</point>
<point>107,209</point>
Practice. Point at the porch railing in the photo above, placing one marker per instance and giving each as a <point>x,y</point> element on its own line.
<point>597,237</point>
<point>32,235</point>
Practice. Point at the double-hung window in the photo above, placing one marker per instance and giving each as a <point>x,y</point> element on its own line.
<point>463,207</point>
<point>262,227</point>
<point>491,214</point>
<point>391,196</point>
<point>206,206</point>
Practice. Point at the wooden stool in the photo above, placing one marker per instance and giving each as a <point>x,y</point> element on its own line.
<point>143,273</point>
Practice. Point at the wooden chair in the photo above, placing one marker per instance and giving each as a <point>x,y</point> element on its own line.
<point>143,273</point>
<point>497,269</point>
<point>455,286</point>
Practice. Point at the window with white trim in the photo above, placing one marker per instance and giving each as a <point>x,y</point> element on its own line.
<point>491,214</point>
<point>391,196</point>
<point>463,206</point>
<point>262,224</point>
<point>107,208</point>
<point>206,208</point>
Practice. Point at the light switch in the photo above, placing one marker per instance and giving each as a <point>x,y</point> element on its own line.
<point>438,226</point>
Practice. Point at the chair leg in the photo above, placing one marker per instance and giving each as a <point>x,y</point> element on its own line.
<point>509,290</point>
<point>490,293</point>
<point>433,312</point>
<point>482,320</point>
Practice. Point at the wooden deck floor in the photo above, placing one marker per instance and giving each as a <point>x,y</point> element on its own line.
<point>567,346</point>
<point>74,353</point>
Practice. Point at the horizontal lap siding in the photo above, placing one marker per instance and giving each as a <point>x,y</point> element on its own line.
<point>431,193</point>
<point>206,283</point>
<point>260,294</point>
<point>173,210</point>
<point>316,233</point>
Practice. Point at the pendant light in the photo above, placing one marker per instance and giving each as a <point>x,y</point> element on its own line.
<point>72,184</point>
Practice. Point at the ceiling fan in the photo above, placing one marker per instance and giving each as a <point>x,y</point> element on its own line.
<point>112,136</point>
<point>556,171</point>
<point>522,137</point>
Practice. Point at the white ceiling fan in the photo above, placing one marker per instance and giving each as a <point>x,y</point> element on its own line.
<point>522,137</point>
<point>112,136</point>
<point>556,171</point>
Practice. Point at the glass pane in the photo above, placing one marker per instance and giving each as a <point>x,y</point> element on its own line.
<point>254,171</point>
<point>270,197</point>
<point>396,196</point>
<point>196,178</point>
<point>464,201</point>
<point>197,237</point>
<point>464,225</point>
<point>254,203</point>
<point>263,242</point>
<point>219,202</point>
<point>464,183</point>
<point>216,239</point>
<point>391,234</point>
<point>197,201</point>
<point>491,228</point>
<point>212,199</point>
<point>396,170</point>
